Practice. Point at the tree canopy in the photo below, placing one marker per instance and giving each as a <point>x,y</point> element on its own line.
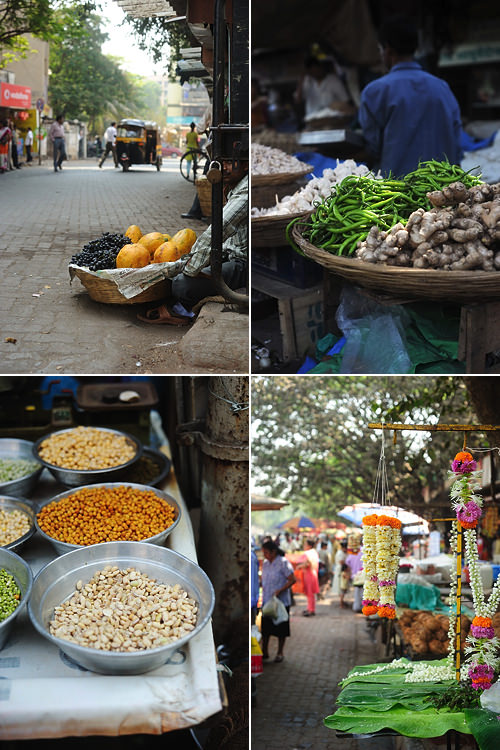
<point>311,444</point>
<point>162,39</point>
<point>45,19</point>
<point>86,84</point>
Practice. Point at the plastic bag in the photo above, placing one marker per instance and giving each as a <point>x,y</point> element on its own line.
<point>376,341</point>
<point>490,699</point>
<point>276,610</point>
<point>270,608</point>
<point>282,614</point>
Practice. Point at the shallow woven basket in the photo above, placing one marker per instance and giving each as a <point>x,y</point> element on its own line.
<point>406,283</point>
<point>280,178</point>
<point>204,190</point>
<point>270,231</point>
<point>104,290</point>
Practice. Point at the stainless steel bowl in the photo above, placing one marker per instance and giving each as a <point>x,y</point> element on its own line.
<point>9,504</point>
<point>161,460</point>
<point>74,478</point>
<point>15,565</point>
<point>56,582</point>
<point>159,539</point>
<point>15,449</point>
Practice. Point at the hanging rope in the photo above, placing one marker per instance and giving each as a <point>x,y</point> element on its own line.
<point>381,482</point>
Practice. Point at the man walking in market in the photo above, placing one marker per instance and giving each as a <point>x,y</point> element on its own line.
<point>110,144</point>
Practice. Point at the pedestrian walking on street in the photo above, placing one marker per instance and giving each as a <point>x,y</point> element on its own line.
<point>325,569</point>
<point>13,146</point>
<point>110,141</point>
<point>5,137</point>
<point>309,563</point>
<point>28,143</point>
<point>56,135</point>
<point>277,579</point>
<point>339,559</point>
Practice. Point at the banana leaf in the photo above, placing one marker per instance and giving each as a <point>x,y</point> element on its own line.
<point>427,723</point>
<point>378,697</point>
<point>485,726</point>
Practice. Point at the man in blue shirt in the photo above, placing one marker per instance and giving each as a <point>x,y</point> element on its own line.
<point>407,115</point>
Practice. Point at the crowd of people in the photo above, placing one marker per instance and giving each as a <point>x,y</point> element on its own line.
<point>10,158</point>
<point>320,566</point>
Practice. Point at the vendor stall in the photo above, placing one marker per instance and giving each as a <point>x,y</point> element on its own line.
<point>424,697</point>
<point>101,594</point>
<point>47,694</point>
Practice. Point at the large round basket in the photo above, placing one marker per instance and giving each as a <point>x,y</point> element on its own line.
<point>406,283</point>
<point>105,290</point>
<point>281,178</point>
<point>270,231</point>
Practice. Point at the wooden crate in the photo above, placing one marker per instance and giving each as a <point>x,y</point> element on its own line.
<point>300,315</point>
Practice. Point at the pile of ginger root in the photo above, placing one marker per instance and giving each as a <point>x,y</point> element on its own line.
<point>460,233</point>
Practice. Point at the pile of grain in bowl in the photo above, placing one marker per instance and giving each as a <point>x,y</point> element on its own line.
<point>10,594</point>
<point>13,525</point>
<point>16,468</point>
<point>86,449</point>
<point>106,514</point>
<point>124,610</point>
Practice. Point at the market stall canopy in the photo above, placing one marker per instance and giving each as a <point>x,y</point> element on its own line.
<point>261,502</point>
<point>412,524</point>
<point>153,8</point>
<point>296,523</point>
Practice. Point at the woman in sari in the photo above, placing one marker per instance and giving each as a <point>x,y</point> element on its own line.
<point>309,564</point>
<point>5,139</point>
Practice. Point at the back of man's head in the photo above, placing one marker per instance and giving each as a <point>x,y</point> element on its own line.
<point>399,34</point>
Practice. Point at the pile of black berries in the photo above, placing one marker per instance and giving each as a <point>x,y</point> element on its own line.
<point>101,253</point>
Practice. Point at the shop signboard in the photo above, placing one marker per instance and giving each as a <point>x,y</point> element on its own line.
<point>15,97</point>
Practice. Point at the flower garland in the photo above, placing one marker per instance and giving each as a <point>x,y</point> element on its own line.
<point>369,557</point>
<point>481,644</point>
<point>381,545</point>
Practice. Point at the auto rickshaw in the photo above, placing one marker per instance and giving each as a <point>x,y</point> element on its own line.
<point>138,142</point>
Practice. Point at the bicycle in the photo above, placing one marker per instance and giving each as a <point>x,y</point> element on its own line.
<point>193,167</point>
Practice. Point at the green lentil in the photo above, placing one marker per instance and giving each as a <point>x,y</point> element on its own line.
<point>15,468</point>
<point>10,594</point>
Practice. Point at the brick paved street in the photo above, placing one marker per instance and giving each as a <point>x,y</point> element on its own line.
<point>45,218</point>
<point>294,697</point>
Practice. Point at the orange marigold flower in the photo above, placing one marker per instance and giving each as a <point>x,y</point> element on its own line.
<point>369,610</point>
<point>482,622</point>
<point>463,456</point>
<point>370,520</point>
<point>468,524</point>
<point>389,521</point>
<point>387,612</point>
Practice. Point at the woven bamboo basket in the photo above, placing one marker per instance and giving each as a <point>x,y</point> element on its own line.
<point>270,231</point>
<point>104,290</point>
<point>204,190</point>
<point>281,178</point>
<point>406,283</point>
